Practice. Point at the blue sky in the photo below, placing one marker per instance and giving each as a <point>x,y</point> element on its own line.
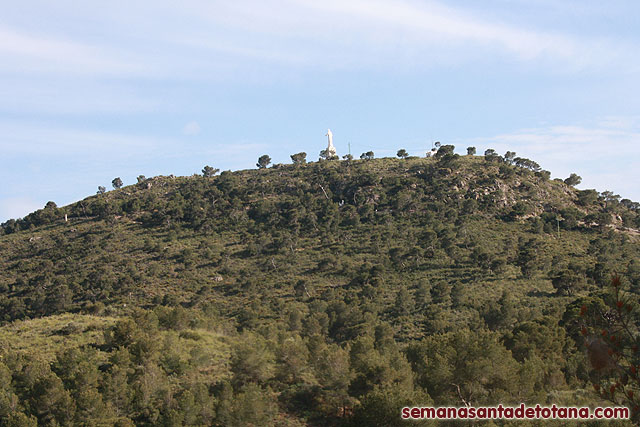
<point>94,90</point>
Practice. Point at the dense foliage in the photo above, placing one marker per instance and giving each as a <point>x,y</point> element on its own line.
<point>332,292</point>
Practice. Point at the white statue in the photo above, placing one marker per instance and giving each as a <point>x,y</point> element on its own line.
<point>331,150</point>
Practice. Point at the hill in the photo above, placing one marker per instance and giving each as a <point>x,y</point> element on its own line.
<point>319,293</point>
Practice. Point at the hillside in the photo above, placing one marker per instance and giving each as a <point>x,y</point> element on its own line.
<point>322,293</point>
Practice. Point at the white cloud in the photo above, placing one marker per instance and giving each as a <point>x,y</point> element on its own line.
<point>22,52</point>
<point>339,34</point>
<point>191,128</point>
<point>223,38</point>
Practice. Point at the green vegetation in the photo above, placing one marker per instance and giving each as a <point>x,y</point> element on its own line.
<point>117,183</point>
<point>573,180</point>
<point>207,172</point>
<point>299,158</point>
<point>610,325</point>
<point>263,161</point>
<point>325,293</point>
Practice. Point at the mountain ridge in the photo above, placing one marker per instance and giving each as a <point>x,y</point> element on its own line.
<point>375,265</point>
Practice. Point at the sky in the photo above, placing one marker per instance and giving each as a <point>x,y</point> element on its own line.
<point>90,91</point>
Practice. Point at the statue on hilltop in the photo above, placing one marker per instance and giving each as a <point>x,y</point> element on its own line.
<point>330,152</point>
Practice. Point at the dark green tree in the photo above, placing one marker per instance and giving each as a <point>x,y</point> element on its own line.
<point>445,155</point>
<point>382,406</point>
<point>566,281</point>
<point>423,293</point>
<point>526,164</point>
<point>263,161</point>
<point>326,155</point>
<point>444,150</point>
<point>509,157</point>
<point>502,314</point>
<point>573,180</point>
<point>544,174</point>
<point>252,361</point>
<point>587,197</point>
<point>441,293</point>
<point>299,158</point>
<point>332,369</point>
<point>403,304</point>
<point>471,151</point>
<point>611,336</point>
<point>117,183</point>
<point>253,406</point>
<point>528,258</point>
<point>292,362</point>
<point>402,153</point>
<point>460,367</point>
<point>209,171</point>
<point>490,155</point>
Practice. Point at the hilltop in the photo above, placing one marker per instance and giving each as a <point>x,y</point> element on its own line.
<point>374,265</point>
